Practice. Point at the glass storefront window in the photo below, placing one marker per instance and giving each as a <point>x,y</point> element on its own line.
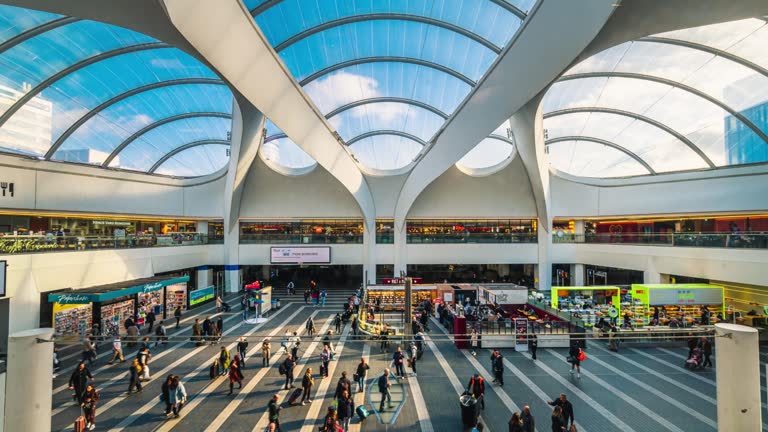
<point>471,231</point>
<point>302,232</point>
<point>385,231</point>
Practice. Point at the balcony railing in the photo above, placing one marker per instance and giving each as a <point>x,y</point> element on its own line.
<point>472,238</point>
<point>27,244</point>
<point>279,238</point>
<point>702,240</point>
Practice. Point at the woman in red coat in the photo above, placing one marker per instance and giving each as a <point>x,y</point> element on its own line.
<point>235,374</point>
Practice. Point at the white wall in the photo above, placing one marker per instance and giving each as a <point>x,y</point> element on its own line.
<point>455,194</point>
<point>30,275</point>
<point>341,254</point>
<point>385,191</point>
<point>728,190</point>
<point>472,254</point>
<point>64,187</point>
<point>317,194</point>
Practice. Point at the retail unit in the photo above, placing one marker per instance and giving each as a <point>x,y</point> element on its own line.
<point>392,297</point>
<point>176,296</point>
<point>682,301</point>
<point>75,311</point>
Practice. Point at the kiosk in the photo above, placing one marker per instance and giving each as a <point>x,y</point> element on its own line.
<point>682,301</point>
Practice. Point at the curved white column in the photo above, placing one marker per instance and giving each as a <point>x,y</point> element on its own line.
<point>30,368</point>
<point>738,378</point>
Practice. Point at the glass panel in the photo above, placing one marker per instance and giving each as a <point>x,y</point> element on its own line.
<point>721,36</point>
<point>490,152</point>
<point>568,94</point>
<point>386,152</point>
<point>196,161</point>
<point>752,48</point>
<point>403,39</point>
<point>481,17</point>
<point>286,153</point>
<point>668,61</point>
<point>145,151</point>
<point>386,116</point>
<point>366,81</point>
<point>523,5</point>
<point>105,131</point>
<point>588,159</point>
<point>602,61</point>
<point>14,21</point>
<point>34,60</point>
<point>250,4</point>
<point>272,129</point>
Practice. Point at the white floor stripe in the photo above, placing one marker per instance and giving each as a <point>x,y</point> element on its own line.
<point>359,396</point>
<point>623,396</point>
<point>425,422</point>
<point>546,398</point>
<point>458,387</point>
<point>108,352</point>
<point>195,400</point>
<point>298,370</point>
<point>319,400</point>
<point>657,375</point>
<point>605,412</point>
<point>122,376</point>
<point>682,369</point>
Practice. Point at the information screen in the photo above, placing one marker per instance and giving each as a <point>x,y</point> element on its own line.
<point>300,255</point>
<point>692,296</point>
<point>2,278</point>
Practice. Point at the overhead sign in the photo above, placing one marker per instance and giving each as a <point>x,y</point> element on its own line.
<point>7,189</point>
<point>300,255</point>
<point>511,297</point>
<point>689,296</point>
<point>199,296</point>
<point>400,281</point>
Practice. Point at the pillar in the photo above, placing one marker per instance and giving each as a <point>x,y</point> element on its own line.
<point>651,277</point>
<point>369,252</point>
<point>577,274</point>
<point>204,276</point>
<point>232,272</point>
<point>30,367</point>
<point>401,249</point>
<point>202,227</point>
<point>544,266</point>
<point>738,378</point>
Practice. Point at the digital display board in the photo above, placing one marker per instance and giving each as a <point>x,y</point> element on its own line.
<point>300,255</point>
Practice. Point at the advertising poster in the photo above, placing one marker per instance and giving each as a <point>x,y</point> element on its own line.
<point>300,255</point>
<point>201,295</point>
<point>521,334</point>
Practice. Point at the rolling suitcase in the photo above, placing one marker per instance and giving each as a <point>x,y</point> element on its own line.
<point>295,396</point>
<point>362,412</point>
<point>80,422</point>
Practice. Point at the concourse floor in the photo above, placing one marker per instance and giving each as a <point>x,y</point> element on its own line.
<point>640,389</point>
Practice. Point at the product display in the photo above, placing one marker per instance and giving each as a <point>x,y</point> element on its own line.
<point>394,298</point>
<point>114,315</point>
<point>175,296</point>
<point>72,319</point>
<point>151,301</point>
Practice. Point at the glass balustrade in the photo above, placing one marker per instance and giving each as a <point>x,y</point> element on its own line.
<point>687,239</point>
<point>26,244</point>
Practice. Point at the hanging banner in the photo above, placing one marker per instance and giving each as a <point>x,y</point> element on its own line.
<point>521,334</point>
<point>300,255</point>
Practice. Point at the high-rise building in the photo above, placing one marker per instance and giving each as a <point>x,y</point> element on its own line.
<point>742,145</point>
<point>29,129</point>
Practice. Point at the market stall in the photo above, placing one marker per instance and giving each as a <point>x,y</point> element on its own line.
<point>392,297</point>
<point>588,303</point>
<point>684,303</point>
<point>75,311</point>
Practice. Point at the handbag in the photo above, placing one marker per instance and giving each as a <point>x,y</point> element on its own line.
<point>573,428</point>
<point>355,377</point>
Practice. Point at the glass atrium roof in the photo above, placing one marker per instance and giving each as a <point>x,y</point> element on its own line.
<point>81,91</point>
<point>684,100</point>
<point>386,73</point>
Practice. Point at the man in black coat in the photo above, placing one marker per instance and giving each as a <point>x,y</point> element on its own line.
<point>343,385</point>
<point>566,406</point>
<point>529,425</point>
<point>498,368</point>
<point>79,381</point>
<point>289,364</point>
<point>150,320</point>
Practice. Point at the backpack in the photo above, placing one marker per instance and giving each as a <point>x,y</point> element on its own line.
<point>159,331</point>
<point>283,370</point>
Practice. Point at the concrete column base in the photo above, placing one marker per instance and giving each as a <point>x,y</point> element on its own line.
<point>738,378</point>
<point>30,370</point>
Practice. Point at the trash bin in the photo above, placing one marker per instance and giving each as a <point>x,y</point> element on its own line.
<point>275,304</point>
<point>469,410</point>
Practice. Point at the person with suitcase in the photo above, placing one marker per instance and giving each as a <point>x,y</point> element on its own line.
<point>90,398</point>
<point>306,387</point>
<point>79,380</point>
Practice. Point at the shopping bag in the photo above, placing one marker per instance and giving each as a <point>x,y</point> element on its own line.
<point>582,355</point>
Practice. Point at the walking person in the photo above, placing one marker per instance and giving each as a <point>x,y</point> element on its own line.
<point>325,358</point>
<point>516,423</point>
<point>288,365</point>
<point>343,385</point>
<point>89,351</point>
<point>79,380</point>
<point>219,329</point>
<point>135,371</point>
<point>306,385</point>
<point>529,424</point>
<point>474,341</point>
<point>197,333</point>
<point>558,424</point>
<point>476,388</point>
<point>329,422</point>
<point>566,409</point>
<point>224,359</point>
<point>575,358</point>
<point>117,350</point>
<point>533,345</point>
<point>361,374</point>
<point>218,303</point>
<point>161,334</point>
<point>235,374</point>
<point>178,396</point>
<point>274,413</point>
<point>498,368</point>
<point>295,342</point>
<point>207,329</point>
<point>398,358</point>
<point>346,409</point>
<point>706,348</point>
<point>150,319</point>
<point>165,394</point>
<point>242,347</point>
<point>265,349</point>
<point>413,352</point>
<point>384,386</point>
<point>323,295</point>
<point>306,296</point>
<point>177,315</point>
<point>337,323</point>
<point>291,288</point>
<point>143,357</point>
<point>90,399</point>
<point>310,326</point>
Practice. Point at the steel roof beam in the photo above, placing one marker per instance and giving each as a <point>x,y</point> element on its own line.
<point>605,143</point>
<point>387,16</point>
<point>387,59</point>
<point>180,149</point>
<point>36,31</point>
<point>385,132</point>
<point>104,105</point>
<point>367,101</point>
<point>157,124</point>
<point>638,117</point>
<point>74,68</point>
<point>675,84</point>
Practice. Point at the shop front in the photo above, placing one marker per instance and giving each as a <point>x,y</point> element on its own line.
<point>76,311</point>
<point>683,303</point>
